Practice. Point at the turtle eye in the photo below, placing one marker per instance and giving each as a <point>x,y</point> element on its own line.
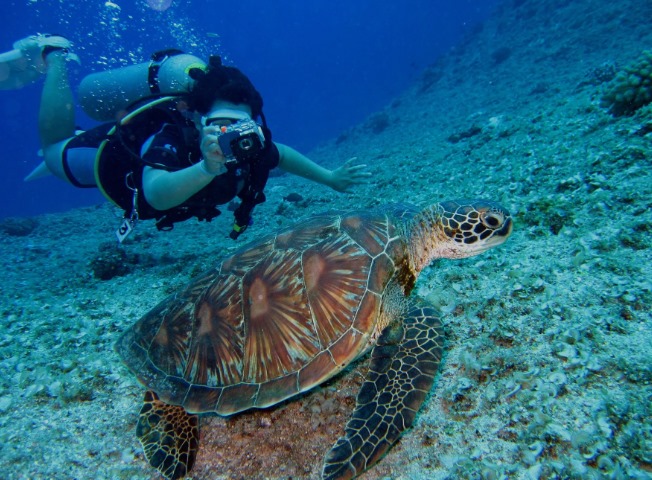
<point>493,220</point>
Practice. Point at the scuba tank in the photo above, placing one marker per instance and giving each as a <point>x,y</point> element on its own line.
<point>105,96</point>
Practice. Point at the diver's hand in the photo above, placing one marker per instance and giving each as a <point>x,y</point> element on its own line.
<point>349,174</point>
<point>214,159</point>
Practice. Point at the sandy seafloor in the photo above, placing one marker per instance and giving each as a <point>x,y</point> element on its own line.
<point>549,342</point>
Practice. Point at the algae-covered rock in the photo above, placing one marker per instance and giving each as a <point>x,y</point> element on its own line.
<point>18,227</point>
<point>631,89</point>
<point>111,261</point>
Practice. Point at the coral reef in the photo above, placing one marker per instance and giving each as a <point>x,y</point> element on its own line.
<point>631,88</point>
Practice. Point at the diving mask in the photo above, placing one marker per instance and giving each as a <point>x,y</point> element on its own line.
<point>224,116</point>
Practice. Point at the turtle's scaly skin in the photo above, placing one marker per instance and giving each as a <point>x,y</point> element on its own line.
<point>172,450</point>
<point>402,370</point>
<point>290,311</point>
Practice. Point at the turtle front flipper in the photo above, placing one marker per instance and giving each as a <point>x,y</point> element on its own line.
<point>402,370</point>
<point>169,435</point>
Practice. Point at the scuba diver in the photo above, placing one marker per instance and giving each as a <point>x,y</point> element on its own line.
<point>180,137</point>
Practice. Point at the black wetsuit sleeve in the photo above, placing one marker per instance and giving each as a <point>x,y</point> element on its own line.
<point>272,157</point>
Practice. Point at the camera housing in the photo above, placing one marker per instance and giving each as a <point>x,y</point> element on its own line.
<point>241,141</point>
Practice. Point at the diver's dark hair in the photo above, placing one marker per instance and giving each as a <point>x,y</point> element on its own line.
<point>219,82</point>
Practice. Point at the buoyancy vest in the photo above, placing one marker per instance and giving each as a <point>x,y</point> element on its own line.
<point>119,168</point>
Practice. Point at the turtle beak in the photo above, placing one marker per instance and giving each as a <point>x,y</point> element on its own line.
<point>503,233</point>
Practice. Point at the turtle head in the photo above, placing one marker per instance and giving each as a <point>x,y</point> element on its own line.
<point>472,226</point>
<point>458,229</point>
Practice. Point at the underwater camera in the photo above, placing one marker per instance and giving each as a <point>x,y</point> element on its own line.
<point>241,141</point>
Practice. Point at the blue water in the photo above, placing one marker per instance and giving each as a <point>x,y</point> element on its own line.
<point>321,66</point>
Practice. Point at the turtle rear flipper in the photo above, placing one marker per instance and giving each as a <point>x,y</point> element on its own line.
<point>169,435</point>
<point>402,370</point>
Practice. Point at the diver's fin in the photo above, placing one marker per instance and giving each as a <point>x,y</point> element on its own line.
<point>25,64</point>
<point>18,69</point>
<point>39,172</point>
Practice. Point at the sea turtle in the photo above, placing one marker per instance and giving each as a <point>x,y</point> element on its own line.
<point>289,311</point>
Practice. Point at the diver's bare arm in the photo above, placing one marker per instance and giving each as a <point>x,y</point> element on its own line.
<point>164,190</point>
<point>340,179</point>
